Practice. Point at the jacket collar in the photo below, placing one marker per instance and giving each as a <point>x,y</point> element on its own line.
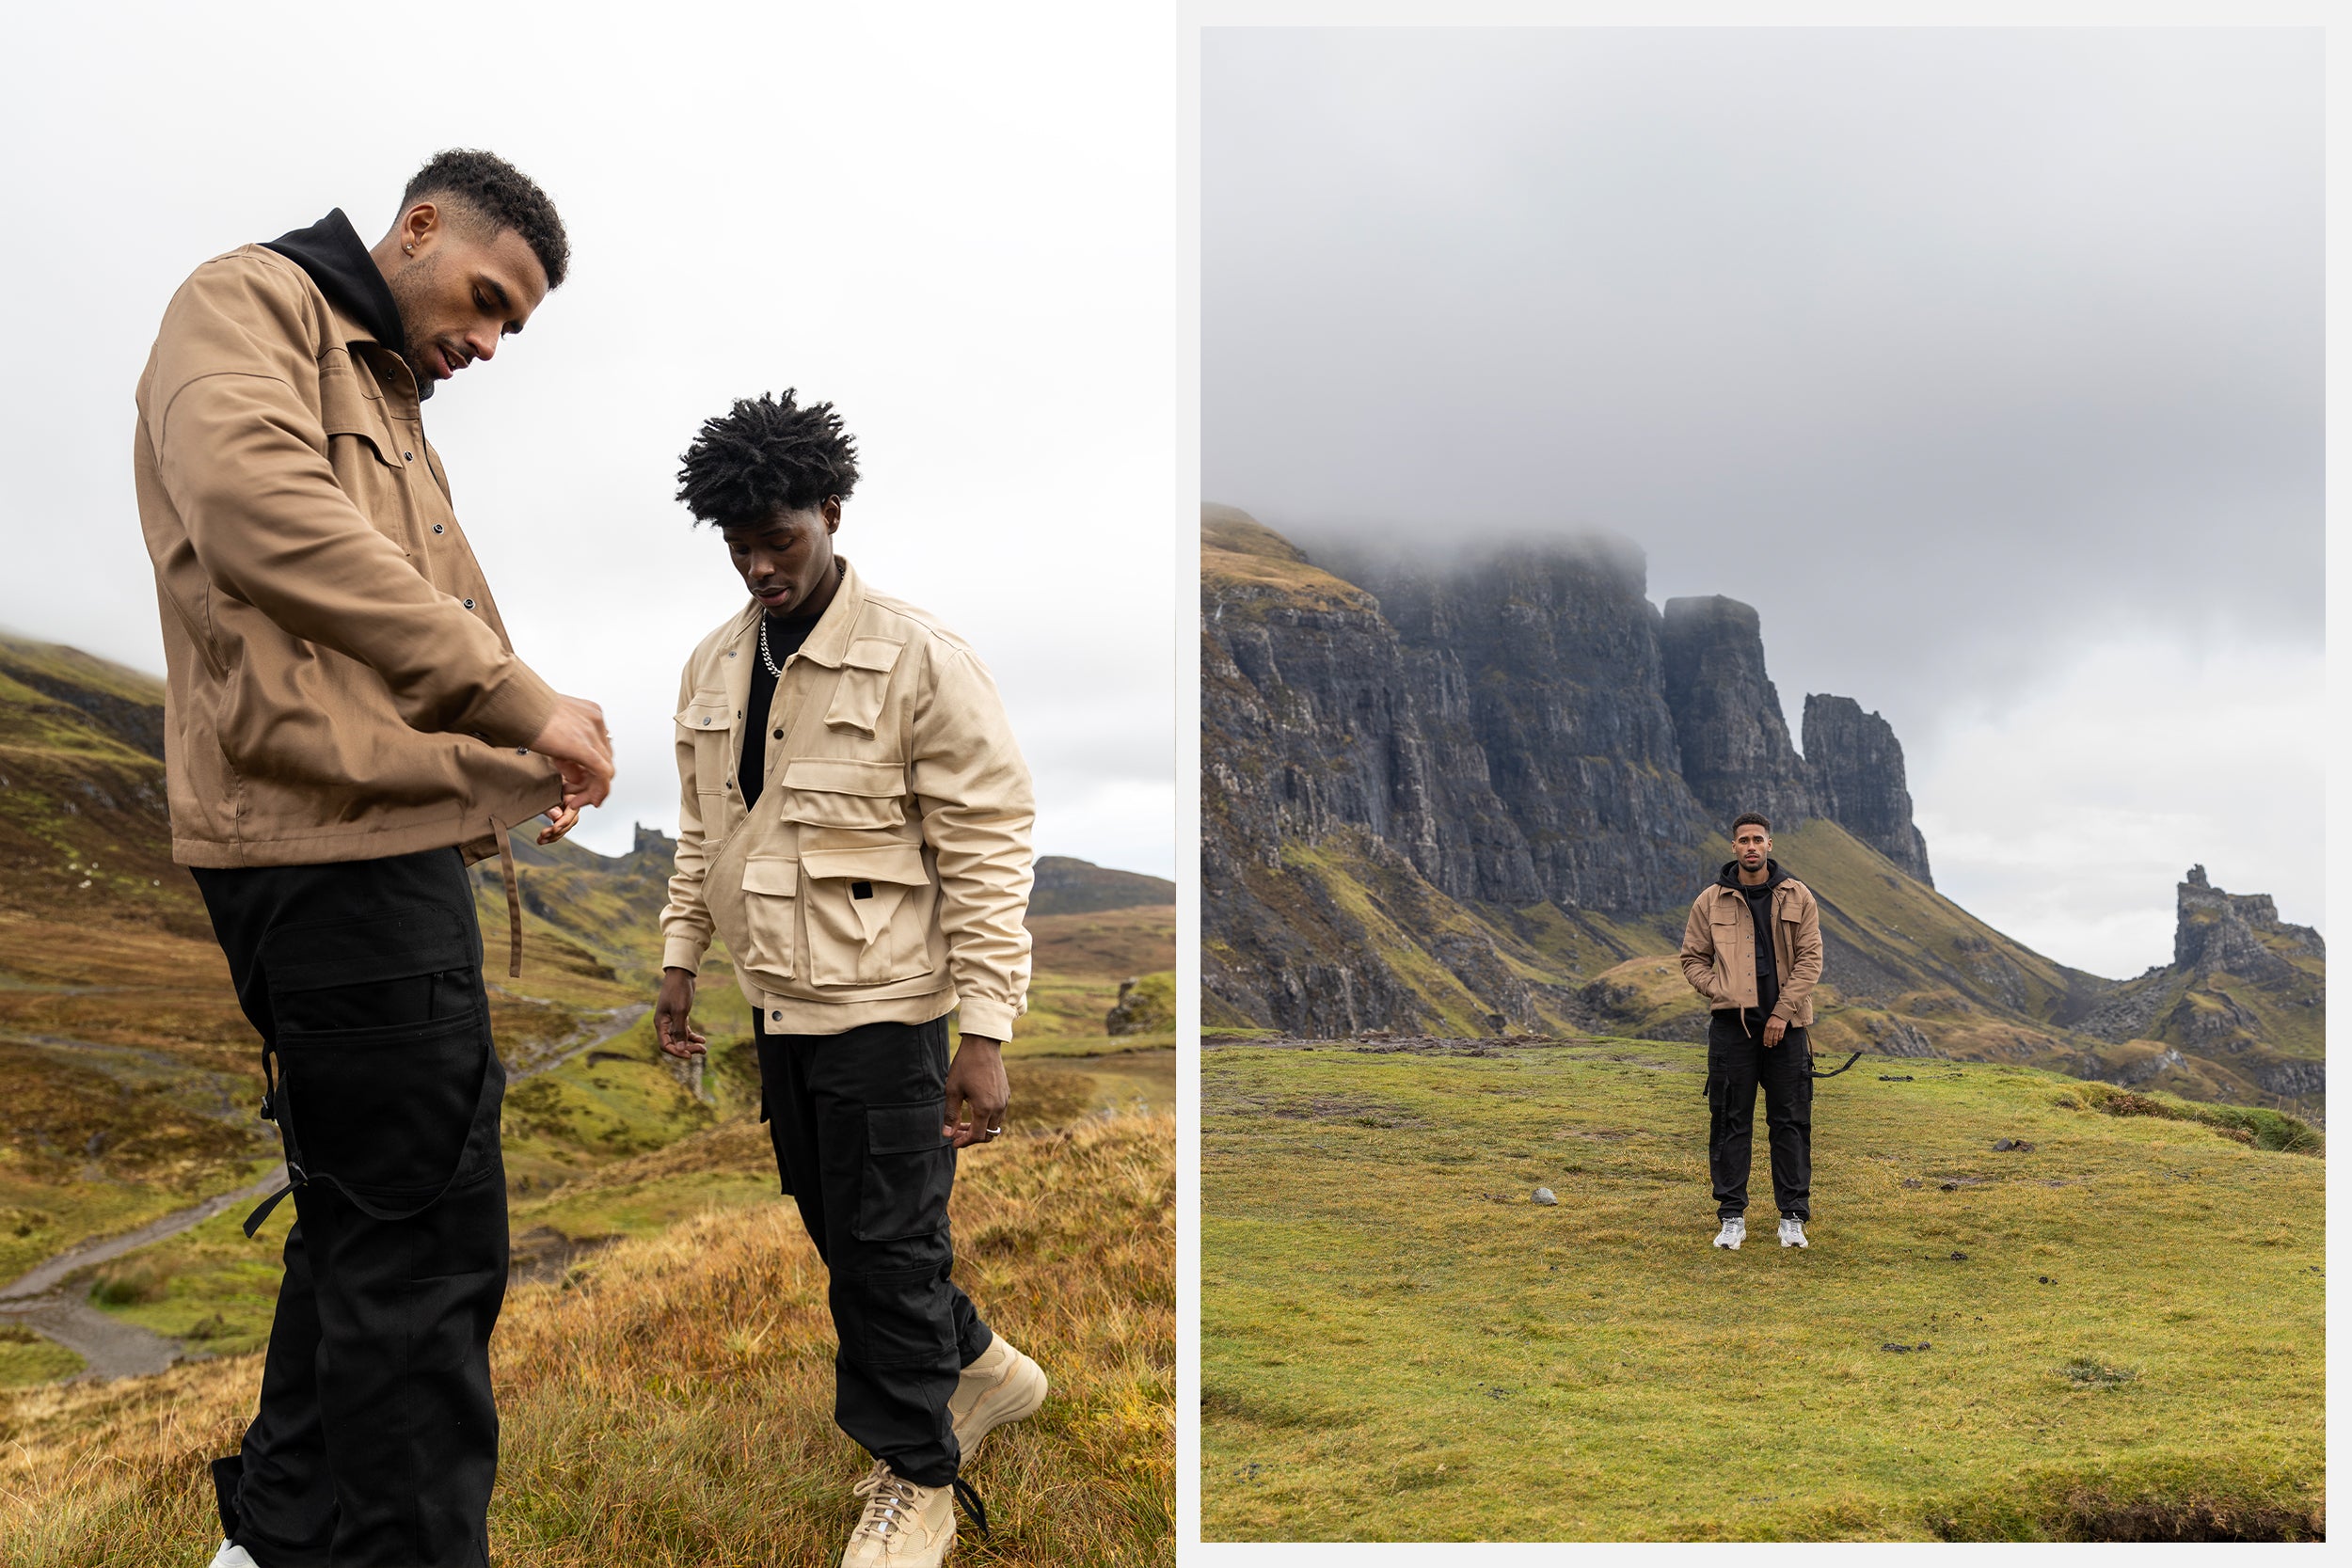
<point>829,643</point>
<point>332,252</point>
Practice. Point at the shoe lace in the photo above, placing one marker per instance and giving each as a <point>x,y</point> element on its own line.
<point>889,1498</point>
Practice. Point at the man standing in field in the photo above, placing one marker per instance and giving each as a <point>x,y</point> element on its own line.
<point>347,729</point>
<point>1753,948</point>
<point>853,818</point>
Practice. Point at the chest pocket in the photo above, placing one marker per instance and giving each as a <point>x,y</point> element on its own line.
<point>711,723</point>
<point>360,447</point>
<point>857,701</point>
<point>844,792</point>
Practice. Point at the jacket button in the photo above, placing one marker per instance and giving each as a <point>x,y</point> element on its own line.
<point>777,1017</point>
<point>468,604</point>
<point>408,456</point>
<point>706,720</point>
<point>437,528</point>
<point>779,735</point>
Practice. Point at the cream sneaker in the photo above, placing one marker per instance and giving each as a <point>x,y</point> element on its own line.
<point>234,1557</point>
<point>1002,1385</point>
<point>904,1526</point>
<point>1735,1231</point>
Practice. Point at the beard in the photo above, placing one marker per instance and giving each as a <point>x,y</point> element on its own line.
<point>412,290</point>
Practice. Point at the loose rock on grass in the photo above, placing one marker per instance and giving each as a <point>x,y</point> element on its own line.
<point>1543,1195</point>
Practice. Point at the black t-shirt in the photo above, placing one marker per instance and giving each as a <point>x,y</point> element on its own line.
<point>1767,967</point>
<point>785,638</point>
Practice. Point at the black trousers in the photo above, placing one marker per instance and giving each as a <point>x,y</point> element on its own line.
<point>377,1440</point>
<point>855,1118</point>
<point>1736,1062</point>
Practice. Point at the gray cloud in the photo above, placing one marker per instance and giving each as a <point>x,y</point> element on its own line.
<point>954,224</point>
<point>1965,356</point>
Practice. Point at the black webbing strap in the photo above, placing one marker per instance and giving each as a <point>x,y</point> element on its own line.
<point>1834,1072</point>
<point>971,1501</point>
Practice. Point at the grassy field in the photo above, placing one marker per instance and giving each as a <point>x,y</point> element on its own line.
<point>666,1401</point>
<point>2115,1332</point>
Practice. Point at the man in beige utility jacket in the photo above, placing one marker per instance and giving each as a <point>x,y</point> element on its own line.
<point>854,821</point>
<point>347,727</point>
<point>1752,947</point>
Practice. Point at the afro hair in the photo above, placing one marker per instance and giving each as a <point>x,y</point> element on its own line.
<point>764,455</point>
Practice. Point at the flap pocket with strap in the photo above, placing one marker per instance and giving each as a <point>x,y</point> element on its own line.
<point>711,722</point>
<point>771,886</point>
<point>345,409</point>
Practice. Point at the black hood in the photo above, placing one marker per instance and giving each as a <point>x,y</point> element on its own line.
<point>330,251</point>
<point>1773,876</point>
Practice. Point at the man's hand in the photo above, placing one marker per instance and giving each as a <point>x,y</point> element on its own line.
<point>562,820</point>
<point>1775,1028</point>
<point>976,1082</point>
<point>673,1020</point>
<point>575,740</point>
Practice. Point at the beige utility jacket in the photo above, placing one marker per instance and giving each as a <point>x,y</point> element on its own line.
<point>339,685</point>
<point>885,873</point>
<point>1719,949</point>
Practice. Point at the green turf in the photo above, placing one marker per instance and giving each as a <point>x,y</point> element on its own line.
<point>2123,1326</point>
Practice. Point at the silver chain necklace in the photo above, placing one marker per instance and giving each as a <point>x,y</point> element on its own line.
<point>773,668</point>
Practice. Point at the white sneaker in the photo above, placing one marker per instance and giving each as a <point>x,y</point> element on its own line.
<point>1001,1385</point>
<point>234,1557</point>
<point>1735,1231</point>
<point>904,1526</point>
<point>1792,1233</point>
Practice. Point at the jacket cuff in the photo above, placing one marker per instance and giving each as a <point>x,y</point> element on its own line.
<point>683,952</point>
<point>991,1020</point>
<point>515,710</point>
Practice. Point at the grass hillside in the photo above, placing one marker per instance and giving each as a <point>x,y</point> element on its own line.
<point>667,1400</point>
<point>2113,1332</point>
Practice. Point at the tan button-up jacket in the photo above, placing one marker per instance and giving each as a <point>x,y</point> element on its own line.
<point>1719,949</point>
<point>885,873</point>
<point>339,685</point>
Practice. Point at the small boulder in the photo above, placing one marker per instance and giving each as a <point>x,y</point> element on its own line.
<point>1959,1258</point>
<point>1543,1195</point>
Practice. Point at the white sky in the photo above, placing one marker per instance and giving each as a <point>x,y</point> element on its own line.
<point>1987,365</point>
<point>955,222</point>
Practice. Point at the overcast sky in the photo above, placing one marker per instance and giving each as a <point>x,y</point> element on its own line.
<point>954,222</point>
<point>1987,365</point>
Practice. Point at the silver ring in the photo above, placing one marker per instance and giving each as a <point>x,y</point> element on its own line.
<point>994,1130</point>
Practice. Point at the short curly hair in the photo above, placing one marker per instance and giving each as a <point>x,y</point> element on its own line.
<point>764,455</point>
<point>500,194</point>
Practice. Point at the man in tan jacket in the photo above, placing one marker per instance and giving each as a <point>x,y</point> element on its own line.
<point>347,728</point>
<point>1753,948</point>
<point>854,820</point>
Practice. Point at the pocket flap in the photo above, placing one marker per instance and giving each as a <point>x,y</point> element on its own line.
<point>846,776</point>
<point>425,940</point>
<point>906,1129</point>
<point>899,864</point>
<point>773,876</point>
<point>872,653</point>
<point>707,711</point>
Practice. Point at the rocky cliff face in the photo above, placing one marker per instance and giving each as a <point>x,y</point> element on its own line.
<point>1857,766</point>
<point>1736,753</point>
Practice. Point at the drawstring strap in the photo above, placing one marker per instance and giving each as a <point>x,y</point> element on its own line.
<point>514,902</point>
<point>971,1501</point>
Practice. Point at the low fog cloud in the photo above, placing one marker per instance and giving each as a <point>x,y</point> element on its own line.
<point>1985,364</point>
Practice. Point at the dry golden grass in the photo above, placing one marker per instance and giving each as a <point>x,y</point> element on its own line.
<point>669,1402</point>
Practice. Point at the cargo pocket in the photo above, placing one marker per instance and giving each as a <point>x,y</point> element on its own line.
<point>869,914</point>
<point>844,792</point>
<point>909,1168</point>
<point>857,697</point>
<point>388,1113</point>
<point>771,888</point>
<point>710,723</point>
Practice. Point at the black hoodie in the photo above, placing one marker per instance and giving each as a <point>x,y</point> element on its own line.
<point>332,252</point>
<point>1760,899</point>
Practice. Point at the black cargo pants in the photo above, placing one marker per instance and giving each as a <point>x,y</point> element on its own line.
<point>1736,1062</point>
<point>855,1118</point>
<point>377,1440</point>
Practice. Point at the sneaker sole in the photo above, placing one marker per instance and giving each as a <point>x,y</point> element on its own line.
<point>1019,1396</point>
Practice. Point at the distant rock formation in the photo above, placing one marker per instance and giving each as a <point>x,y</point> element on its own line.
<point>1856,767</point>
<point>1736,753</point>
<point>2226,932</point>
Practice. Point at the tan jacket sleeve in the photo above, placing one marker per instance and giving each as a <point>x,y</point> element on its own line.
<point>972,789</point>
<point>686,923</point>
<point>242,456</point>
<point>1698,953</point>
<point>1804,972</point>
